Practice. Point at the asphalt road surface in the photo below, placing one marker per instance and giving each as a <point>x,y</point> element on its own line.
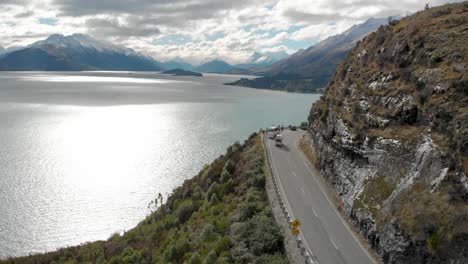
<point>323,228</point>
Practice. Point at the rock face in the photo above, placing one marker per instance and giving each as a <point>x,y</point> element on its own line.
<point>391,135</point>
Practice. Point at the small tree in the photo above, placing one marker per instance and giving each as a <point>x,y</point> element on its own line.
<point>426,7</point>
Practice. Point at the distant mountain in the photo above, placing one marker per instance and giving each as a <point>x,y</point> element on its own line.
<point>260,60</point>
<point>320,61</point>
<point>2,50</point>
<point>215,66</point>
<point>75,53</point>
<point>180,72</point>
<point>178,64</point>
<point>313,67</point>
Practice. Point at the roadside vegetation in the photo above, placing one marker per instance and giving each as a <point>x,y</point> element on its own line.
<point>221,215</point>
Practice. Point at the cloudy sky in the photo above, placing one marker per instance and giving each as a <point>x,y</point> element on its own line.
<point>195,30</point>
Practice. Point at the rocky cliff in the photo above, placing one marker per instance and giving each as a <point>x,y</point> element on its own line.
<point>390,134</point>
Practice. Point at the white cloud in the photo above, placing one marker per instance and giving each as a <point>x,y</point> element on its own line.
<point>230,30</point>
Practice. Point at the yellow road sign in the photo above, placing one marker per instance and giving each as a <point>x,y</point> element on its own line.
<point>295,232</point>
<point>296,224</point>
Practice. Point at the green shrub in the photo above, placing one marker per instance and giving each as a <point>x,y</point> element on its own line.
<point>211,258</point>
<point>195,259</point>
<point>223,244</point>
<point>225,176</point>
<point>197,193</point>
<point>214,199</point>
<point>227,187</point>
<point>433,242</point>
<point>185,211</point>
<point>212,190</point>
<point>207,233</point>
<point>175,251</point>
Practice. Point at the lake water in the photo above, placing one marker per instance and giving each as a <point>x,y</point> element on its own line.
<point>82,154</point>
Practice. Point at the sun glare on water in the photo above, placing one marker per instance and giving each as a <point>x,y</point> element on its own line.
<point>103,147</point>
<point>83,78</point>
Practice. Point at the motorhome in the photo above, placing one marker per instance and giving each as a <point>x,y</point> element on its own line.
<point>272,132</point>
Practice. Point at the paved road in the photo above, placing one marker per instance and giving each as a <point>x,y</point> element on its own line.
<point>324,230</point>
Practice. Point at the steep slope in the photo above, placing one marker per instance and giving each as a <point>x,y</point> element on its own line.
<point>391,135</point>
<point>319,61</point>
<point>76,52</point>
<point>222,215</point>
<point>215,66</point>
<point>310,69</point>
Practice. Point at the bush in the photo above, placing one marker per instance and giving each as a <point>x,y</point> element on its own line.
<point>175,252</point>
<point>223,244</point>
<point>227,187</point>
<point>195,259</point>
<point>211,258</point>
<point>225,176</point>
<point>197,193</point>
<point>212,190</point>
<point>207,233</point>
<point>214,199</point>
<point>259,234</point>
<point>185,211</point>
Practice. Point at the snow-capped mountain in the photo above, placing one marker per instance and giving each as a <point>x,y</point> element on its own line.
<point>258,60</point>
<point>77,52</point>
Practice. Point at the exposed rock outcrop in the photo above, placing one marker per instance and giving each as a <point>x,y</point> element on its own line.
<point>391,135</point>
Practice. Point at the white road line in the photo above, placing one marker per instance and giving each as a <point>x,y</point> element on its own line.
<point>302,189</point>
<point>295,175</point>
<point>333,243</point>
<point>314,212</point>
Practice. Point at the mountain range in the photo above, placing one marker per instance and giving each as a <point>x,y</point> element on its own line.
<point>178,64</point>
<point>259,60</point>
<point>76,52</point>
<point>215,66</point>
<point>310,69</point>
<point>306,70</point>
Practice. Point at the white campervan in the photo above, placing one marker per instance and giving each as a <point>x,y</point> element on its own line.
<point>272,132</point>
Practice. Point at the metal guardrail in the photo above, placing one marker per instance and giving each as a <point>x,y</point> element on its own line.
<point>301,242</point>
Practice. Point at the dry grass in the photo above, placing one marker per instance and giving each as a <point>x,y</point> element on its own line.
<point>376,191</point>
<point>403,133</point>
<point>424,214</point>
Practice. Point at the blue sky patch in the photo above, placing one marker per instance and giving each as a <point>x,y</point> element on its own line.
<point>215,36</point>
<point>175,39</point>
<point>302,44</point>
<point>48,21</point>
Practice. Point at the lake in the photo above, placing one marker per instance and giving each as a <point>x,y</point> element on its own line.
<point>82,154</point>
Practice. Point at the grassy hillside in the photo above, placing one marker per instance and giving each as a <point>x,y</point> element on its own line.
<point>221,215</point>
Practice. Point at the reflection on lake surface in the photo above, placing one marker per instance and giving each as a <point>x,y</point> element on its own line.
<point>80,157</point>
<point>84,78</point>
